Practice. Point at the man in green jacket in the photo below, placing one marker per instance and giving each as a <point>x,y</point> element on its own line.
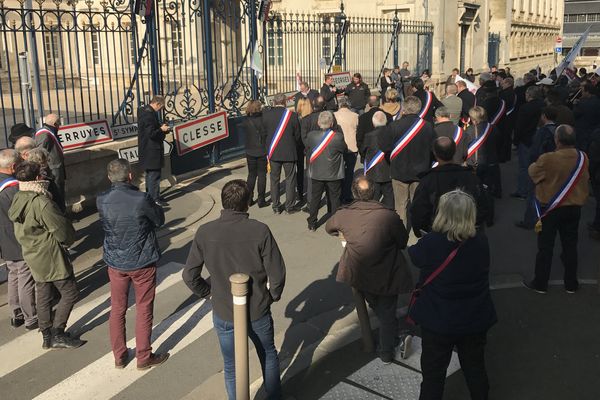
<point>43,233</point>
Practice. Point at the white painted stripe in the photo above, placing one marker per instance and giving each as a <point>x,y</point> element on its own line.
<point>28,346</point>
<point>100,380</point>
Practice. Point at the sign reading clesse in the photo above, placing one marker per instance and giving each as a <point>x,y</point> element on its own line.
<point>201,132</point>
<point>85,134</point>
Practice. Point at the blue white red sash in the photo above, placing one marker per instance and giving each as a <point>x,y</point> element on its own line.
<point>8,183</point>
<point>514,105</point>
<point>51,134</point>
<point>458,134</point>
<point>283,123</point>
<point>325,140</point>
<point>479,141</point>
<point>377,158</point>
<point>562,194</point>
<point>499,114</point>
<point>407,137</point>
<point>427,105</point>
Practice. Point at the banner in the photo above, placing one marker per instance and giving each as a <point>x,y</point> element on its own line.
<point>256,63</point>
<point>566,62</point>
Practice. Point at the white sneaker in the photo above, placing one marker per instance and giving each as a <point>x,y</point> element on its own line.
<point>404,347</point>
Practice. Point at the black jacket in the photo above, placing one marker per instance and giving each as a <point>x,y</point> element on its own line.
<point>520,92</point>
<point>458,300</point>
<point>528,118</point>
<point>587,118</point>
<point>329,94</point>
<point>381,172</point>
<point>311,96</point>
<point>286,149</point>
<point>416,156</point>
<point>10,249</point>
<point>507,123</point>
<point>468,101</point>
<point>383,83</point>
<point>129,219</point>
<point>594,157</point>
<point>434,184</point>
<point>448,129</point>
<point>256,136</point>
<point>358,95</point>
<point>150,139</point>
<point>329,166</point>
<point>310,123</point>
<point>488,152</point>
<point>435,104</point>
<point>365,124</point>
<point>56,158</point>
<point>236,244</point>
<point>490,101</point>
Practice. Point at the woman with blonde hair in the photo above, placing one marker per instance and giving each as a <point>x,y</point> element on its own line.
<point>304,108</point>
<point>454,306</point>
<point>391,105</point>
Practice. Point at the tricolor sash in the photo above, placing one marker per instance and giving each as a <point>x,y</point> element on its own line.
<point>513,106</point>
<point>325,140</point>
<point>562,194</point>
<point>479,141</point>
<point>283,123</point>
<point>54,138</point>
<point>377,158</point>
<point>427,105</point>
<point>407,137</point>
<point>8,183</point>
<point>499,114</point>
<point>458,134</point>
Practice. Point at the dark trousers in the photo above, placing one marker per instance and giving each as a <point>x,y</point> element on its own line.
<point>257,171</point>
<point>490,176</point>
<point>385,309</point>
<point>45,294</point>
<point>144,285</point>
<point>153,183</point>
<point>596,191</point>
<point>435,358</point>
<point>530,217</point>
<point>565,222</point>
<point>59,180</point>
<point>333,191</point>
<point>349,165</point>
<point>300,172</point>
<point>290,183</point>
<point>385,190</point>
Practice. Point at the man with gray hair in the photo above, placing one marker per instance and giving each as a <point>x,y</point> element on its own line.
<point>21,286</point>
<point>453,103</point>
<point>445,127</point>
<point>130,219</point>
<point>24,145</point>
<point>325,166</point>
<point>47,137</point>
<point>377,166</point>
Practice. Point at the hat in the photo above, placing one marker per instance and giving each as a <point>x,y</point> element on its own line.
<point>546,81</point>
<point>20,130</point>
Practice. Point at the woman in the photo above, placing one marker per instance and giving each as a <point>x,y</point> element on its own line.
<point>391,105</point>
<point>256,151</point>
<point>386,83</point>
<point>455,308</point>
<point>469,75</point>
<point>485,159</point>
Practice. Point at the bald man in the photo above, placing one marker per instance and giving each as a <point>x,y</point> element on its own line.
<point>23,146</point>
<point>47,137</point>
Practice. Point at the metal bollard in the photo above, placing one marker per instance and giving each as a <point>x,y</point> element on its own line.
<point>365,323</point>
<point>239,290</point>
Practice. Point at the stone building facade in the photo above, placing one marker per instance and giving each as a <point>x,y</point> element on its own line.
<point>579,15</point>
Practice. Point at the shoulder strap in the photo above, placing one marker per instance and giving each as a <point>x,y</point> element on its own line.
<point>442,267</point>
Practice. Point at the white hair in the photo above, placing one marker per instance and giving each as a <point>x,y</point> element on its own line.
<point>8,158</point>
<point>379,119</point>
<point>456,215</point>
<point>325,120</point>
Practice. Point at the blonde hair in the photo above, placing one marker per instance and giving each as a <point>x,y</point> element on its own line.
<point>478,114</point>
<point>391,96</point>
<point>304,108</point>
<point>455,216</point>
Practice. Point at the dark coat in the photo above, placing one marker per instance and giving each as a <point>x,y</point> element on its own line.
<point>543,142</point>
<point>358,95</point>
<point>458,300</point>
<point>56,158</point>
<point>10,249</point>
<point>434,184</point>
<point>507,123</point>
<point>448,129</point>
<point>311,123</point>
<point>286,149</point>
<point>236,244</point>
<point>329,94</point>
<point>435,104</point>
<point>492,104</point>
<point>383,83</point>
<point>587,118</point>
<point>488,152</point>
<point>329,166</point>
<point>520,92</point>
<point>372,260</point>
<point>129,219</point>
<point>416,156</point>
<point>381,172</point>
<point>150,139</point>
<point>564,116</point>
<point>468,101</point>
<point>311,96</point>
<point>256,136</point>
<point>365,124</point>
<point>528,118</point>
<point>594,157</point>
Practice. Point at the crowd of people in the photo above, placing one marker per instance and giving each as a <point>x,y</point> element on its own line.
<point>430,167</point>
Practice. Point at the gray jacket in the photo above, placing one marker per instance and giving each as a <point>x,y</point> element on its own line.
<point>10,249</point>
<point>329,166</point>
<point>56,160</point>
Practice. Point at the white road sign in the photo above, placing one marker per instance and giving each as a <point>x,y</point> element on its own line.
<point>131,153</point>
<point>124,131</point>
<point>85,134</point>
<point>201,132</point>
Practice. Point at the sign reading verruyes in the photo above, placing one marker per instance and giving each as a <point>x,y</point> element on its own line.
<point>84,134</point>
<point>201,132</point>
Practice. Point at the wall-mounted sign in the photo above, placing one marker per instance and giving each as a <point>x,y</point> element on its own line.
<point>124,131</point>
<point>201,132</point>
<point>84,134</point>
<point>289,99</point>
<point>131,153</point>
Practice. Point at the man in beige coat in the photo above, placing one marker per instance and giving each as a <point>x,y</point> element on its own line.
<point>348,121</point>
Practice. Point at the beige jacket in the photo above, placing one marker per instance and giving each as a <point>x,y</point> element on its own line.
<point>348,121</point>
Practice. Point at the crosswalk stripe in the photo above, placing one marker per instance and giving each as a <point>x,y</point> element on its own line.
<point>28,346</point>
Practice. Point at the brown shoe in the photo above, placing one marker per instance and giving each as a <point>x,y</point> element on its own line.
<point>122,362</point>
<point>153,361</point>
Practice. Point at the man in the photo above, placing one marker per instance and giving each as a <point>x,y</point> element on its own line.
<point>507,123</point>
<point>47,137</point>
<point>21,287</point>
<point>564,114</point>
<point>365,121</point>
<point>283,132</point>
<point>527,122</point>
<point>528,81</point>
<point>397,80</point>
<point>444,127</point>
<point>562,171</point>
<point>429,102</point>
<point>236,244</point>
<point>445,177</point>
<point>406,77</point>
<point>24,145</point>
<point>358,94</point>
<point>305,93</point>
<point>468,100</point>
<point>377,167</point>
<point>348,121</point>
<point>326,166</point>
<point>452,78</point>
<point>372,262</point>
<point>44,234</point>
<point>129,219</point>
<point>487,97</point>
<point>407,143</point>
<point>329,94</point>
<point>18,131</point>
<point>151,135</point>
<point>587,116</point>
<point>453,103</point>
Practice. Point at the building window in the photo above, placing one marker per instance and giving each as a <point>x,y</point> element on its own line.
<point>95,35</point>
<point>176,43</point>
<point>275,43</point>
<point>326,48</point>
<point>52,48</point>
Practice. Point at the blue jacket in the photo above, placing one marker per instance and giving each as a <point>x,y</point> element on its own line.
<point>458,300</point>
<point>129,219</point>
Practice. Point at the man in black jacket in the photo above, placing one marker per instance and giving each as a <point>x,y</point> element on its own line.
<point>129,219</point>
<point>365,121</point>
<point>429,101</point>
<point>377,166</point>
<point>283,133</point>
<point>151,135</point>
<point>329,94</point>
<point>507,123</point>
<point>21,287</point>
<point>358,94</point>
<point>236,244</point>
<point>305,93</point>
<point>529,81</point>
<point>445,127</point>
<point>407,143</point>
<point>587,115</point>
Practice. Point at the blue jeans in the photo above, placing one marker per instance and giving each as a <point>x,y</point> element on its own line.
<point>261,334</point>
<point>523,176</point>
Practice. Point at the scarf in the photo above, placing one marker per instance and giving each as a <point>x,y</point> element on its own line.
<point>40,187</point>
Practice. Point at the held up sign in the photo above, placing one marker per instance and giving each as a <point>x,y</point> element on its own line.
<point>341,79</point>
<point>85,134</point>
<point>201,132</point>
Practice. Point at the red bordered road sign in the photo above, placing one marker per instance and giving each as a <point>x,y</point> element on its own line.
<point>201,132</point>
<point>84,134</point>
